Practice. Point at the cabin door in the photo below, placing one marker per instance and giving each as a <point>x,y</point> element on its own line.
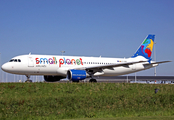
<point>30,62</point>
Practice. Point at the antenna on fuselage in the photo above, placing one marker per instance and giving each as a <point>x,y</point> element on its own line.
<point>62,52</point>
<point>30,53</point>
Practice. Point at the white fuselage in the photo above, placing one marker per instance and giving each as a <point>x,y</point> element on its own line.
<point>59,65</point>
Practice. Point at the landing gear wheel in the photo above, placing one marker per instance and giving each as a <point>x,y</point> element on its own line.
<point>76,81</point>
<point>92,80</point>
<point>28,79</point>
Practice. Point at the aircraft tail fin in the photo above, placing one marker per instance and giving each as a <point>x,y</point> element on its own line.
<point>146,48</point>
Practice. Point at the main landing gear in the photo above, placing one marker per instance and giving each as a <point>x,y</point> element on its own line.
<point>92,80</point>
<point>91,73</point>
<point>28,79</point>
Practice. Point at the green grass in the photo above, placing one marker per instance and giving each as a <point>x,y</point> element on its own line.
<point>130,118</point>
<point>85,100</point>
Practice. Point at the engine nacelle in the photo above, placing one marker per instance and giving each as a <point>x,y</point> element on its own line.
<point>53,78</point>
<point>76,75</point>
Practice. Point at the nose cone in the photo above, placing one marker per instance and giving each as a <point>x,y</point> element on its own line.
<point>6,67</point>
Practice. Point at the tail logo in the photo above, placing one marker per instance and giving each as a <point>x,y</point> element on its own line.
<point>146,47</point>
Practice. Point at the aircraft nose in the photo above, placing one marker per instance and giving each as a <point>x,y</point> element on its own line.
<point>5,67</point>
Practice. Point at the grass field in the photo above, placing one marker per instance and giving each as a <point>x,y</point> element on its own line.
<point>98,101</point>
<point>131,118</point>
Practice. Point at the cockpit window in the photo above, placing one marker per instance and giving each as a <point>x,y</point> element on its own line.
<point>15,60</point>
<point>11,60</point>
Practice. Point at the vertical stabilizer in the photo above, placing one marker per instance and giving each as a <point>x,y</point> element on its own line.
<point>146,48</point>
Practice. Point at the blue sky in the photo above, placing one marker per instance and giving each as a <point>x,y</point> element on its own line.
<point>110,28</point>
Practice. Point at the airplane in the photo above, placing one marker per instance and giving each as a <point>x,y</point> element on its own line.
<point>76,68</point>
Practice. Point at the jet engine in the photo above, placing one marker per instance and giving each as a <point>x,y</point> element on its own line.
<point>76,75</point>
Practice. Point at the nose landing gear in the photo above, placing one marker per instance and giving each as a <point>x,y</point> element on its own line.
<point>28,79</point>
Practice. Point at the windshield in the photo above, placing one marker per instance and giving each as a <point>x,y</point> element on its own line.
<point>15,60</point>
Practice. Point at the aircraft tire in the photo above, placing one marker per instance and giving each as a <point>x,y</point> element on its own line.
<point>76,81</point>
<point>93,80</point>
<point>28,81</point>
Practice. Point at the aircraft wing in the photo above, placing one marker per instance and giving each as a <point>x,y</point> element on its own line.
<point>98,68</point>
<point>159,62</point>
<point>113,65</point>
<point>109,66</point>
